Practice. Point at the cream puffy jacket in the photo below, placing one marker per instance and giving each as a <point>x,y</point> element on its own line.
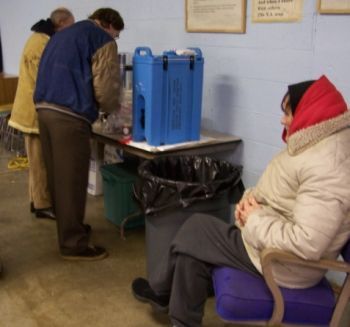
<point>305,191</point>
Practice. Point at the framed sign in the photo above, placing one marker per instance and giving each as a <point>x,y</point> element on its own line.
<point>216,16</point>
<point>333,6</point>
<point>267,11</point>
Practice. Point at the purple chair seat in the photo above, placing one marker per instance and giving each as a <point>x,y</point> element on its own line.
<point>243,297</point>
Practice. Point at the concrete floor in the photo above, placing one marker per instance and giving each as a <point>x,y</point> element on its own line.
<point>39,289</point>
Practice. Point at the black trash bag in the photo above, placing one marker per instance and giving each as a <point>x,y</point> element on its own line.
<point>172,182</point>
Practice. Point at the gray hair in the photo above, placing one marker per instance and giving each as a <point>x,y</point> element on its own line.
<point>60,15</point>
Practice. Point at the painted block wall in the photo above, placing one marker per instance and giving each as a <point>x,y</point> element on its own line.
<point>245,76</point>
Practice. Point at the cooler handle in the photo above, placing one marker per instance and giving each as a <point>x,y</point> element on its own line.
<point>197,51</point>
<point>143,51</point>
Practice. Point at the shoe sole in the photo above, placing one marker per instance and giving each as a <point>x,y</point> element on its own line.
<point>81,258</point>
<point>44,217</point>
<point>41,215</point>
<point>155,306</point>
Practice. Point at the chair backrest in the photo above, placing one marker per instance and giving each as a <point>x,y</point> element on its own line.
<point>345,252</point>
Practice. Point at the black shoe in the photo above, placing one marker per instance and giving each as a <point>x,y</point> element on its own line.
<point>91,253</point>
<point>32,209</point>
<point>88,228</point>
<point>144,293</point>
<point>45,213</point>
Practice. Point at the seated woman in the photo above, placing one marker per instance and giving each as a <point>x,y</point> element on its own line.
<point>301,204</point>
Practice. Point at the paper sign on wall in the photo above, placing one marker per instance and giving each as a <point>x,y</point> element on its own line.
<point>220,16</point>
<point>333,6</point>
<point>266,11</point>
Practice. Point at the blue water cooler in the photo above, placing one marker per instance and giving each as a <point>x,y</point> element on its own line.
<point>167,96</point>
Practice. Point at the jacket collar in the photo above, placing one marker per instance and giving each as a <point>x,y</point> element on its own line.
<point>305,138</point>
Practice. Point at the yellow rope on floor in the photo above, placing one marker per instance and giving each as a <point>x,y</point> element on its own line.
<point>18,163</point>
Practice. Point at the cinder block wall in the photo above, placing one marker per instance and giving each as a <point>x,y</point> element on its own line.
<point>245,74</point>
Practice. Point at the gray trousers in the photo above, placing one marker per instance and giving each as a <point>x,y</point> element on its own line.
<point>185,273</point>
<point>66,150</point>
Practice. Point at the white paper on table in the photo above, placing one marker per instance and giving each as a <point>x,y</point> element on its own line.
<point>161,148</point>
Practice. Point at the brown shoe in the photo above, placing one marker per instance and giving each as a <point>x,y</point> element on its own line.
<point>91,253</point>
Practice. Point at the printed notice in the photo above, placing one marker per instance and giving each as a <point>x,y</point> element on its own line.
<point>265,11</point>
<point>226,16</point>
<point>334,6</point>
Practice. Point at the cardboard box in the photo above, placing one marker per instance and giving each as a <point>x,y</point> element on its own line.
<point>95,178</point>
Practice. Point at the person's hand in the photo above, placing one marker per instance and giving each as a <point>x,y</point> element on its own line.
<point>244,208</point>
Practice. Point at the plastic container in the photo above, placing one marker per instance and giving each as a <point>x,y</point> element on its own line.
<point>119,203</point>
<point>167,96</point>
<point>125,62</point>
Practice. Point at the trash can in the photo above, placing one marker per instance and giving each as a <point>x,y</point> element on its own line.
<point>171,189</point>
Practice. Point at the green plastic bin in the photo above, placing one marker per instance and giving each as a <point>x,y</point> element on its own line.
<point>119,203</point>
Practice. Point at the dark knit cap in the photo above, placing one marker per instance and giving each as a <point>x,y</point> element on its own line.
<point>44,26</point>
<point>296,92</point>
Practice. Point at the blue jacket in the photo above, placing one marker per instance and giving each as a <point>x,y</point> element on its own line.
<point>79,72</point>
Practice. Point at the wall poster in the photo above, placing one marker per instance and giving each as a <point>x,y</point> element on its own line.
<point>216,16</point>
<point>333,6</point>
<point>267,11</point>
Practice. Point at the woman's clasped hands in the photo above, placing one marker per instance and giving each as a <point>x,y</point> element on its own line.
<point>244,208</point>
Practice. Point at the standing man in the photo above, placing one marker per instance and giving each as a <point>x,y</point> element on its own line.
<point>78,75</point>
<point>23,115</point>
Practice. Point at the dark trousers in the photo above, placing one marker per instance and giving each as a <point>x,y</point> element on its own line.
<point>202,243</point>
<point>66,151</point>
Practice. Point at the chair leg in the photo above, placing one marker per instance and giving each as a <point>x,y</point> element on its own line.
<point>342,301</point>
